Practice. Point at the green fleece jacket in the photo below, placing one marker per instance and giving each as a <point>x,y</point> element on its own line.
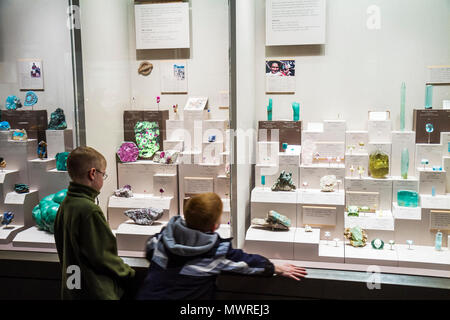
<point>84,239</point>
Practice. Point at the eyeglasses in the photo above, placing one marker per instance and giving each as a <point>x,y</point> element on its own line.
<point>105,175</point>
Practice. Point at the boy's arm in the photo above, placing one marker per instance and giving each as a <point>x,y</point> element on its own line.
<point>98,246</point>
<point>252,264</point>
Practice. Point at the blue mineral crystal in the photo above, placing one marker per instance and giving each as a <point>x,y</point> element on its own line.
<point>7,218</point>
<point>407,198</point>
<point>13,103</point>
<point>4,126</point>
<point>31,99</point>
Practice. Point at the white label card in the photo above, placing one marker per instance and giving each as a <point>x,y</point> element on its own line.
<point>195,185</point>
<point>319,216</point>
<point>440,219</point>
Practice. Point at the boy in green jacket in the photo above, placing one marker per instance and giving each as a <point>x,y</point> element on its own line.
<point>87,249</point>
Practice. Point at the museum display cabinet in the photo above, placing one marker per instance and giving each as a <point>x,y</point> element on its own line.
<point>323,132</point>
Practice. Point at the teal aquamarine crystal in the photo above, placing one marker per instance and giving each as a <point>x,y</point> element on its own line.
<point>296,109</point>
<point>407,198</point>
<point>269,111</point>
<point>405,163</point>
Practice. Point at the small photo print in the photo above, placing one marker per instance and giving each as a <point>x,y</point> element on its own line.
<point>280,68</point>
<point>178,72</point>
<point>35,71</point>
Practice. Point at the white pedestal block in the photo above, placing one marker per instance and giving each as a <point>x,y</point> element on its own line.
<point>401,140</point>
<point>437,202</point>
<point>8,178</point>
<point>46,178</point>
<point>226,212</point>
<point>379,131</point>
<point>270,244</point>
<point>117,206</point>
<point>211,152</point>
<point>19,152</point>
<point>267,152</point>
<point>406,213</point>
<point>166,181</point>
<point>35,238</point>
<point>22,204</point>
<point>382,186</point>
<point>288,159</point>
<point>306,244</point>
<point>375,225</point>
<point>5,135</point>
<point>222,186</point>
<point>356,160</point>
<point>58,141</point>
<point>175,130</point>
<point>429,179</point>
<point>267,196</point>
<point>133,237</point>
<point>371,256</point>
<point>446,167</point>
<point>190,157</point>
<point>334,130</point>
<point>354,138</point>
<point>423,257</point>
<point>431,152</point>
<point>8,233</point>
<point>177,145</point>
<point>445,140</point>
<point>329,252</point>
<point>139,174</point>
<point>224,231</point>
<point>311,174</point>
<point>311,196</point>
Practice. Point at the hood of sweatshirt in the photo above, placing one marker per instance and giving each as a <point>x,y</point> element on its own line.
<point>183,241</point>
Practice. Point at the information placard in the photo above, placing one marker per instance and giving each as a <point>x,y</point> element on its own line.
<point>319,216</point>
<point>440,220</point>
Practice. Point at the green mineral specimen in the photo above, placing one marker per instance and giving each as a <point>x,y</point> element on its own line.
<point>357,236</point>
<point>61,161</point>
<point>147,138</point>
<point>45,212</point>
<point>378,164</point>
<point>57,120</point>
<point>407,198</point>
<point>284,182</point>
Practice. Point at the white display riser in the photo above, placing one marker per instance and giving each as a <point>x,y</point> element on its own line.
<point>431,152</point>
<point>376,226</point>
<point>177,145</point>
<point>445,139</point>
<point>224,231</point>
<point>8,233</point>
<point>190,157</point>
<point>272,172</point>
<point>437,202</point>
<point>212,152</point>
<point>417,230</point>
<point>312,174</point>
<point>401,140</point>
<point>353,138</point>
<point>379,131</point>
<point>267,152</point>
<point>306,244</point>
<point>17,156</point>
<point>370,256</point>
<point>429,179</point>
<point>58,141</point>
<point>313,197</point>
<point>446,167</point>
<point>356,160</point>
<point>330,252</point>
<point>383,186</point>
<point>5,135</point>
<point>46,178</point>
<point>261,209</point>
<point>270,244</point>
<point>166,181</point>
<point>34,238</point>
<point>8,178</point>
<point>22,205</point>
<point>133,237</point>
<point>198,171</point>
<point>226,212</point>
<point>118,205</point>
<point>222,186</point>
<point>139,174</point>
<point>175,130</point>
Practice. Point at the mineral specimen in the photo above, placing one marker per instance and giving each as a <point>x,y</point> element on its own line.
<point>269,110</point>
<point>404,163</point>
<point>31,99</point>
<point>2,163</point>
<point>128,152</point>
<point>147,138</point>
<point>45,212</point>
<point>19,135</point>
<point>284,182</point>
<point>274,221</point>
<point>378,164</point>
<point>4,126</point>
<point>327,183</point>
<point>145,68</point>
<point>57,120</point>
<point>42,150</point>
<point>61,161</point>
<point>407,198</point>
<point>296,110</point>
<point>124,192</point>
<point>144,216</point>
<point>377,244</point>
<point>21,188</point>
<point>353,211</point>
<point>166,157</point>
<point>13,103</point>
<point>7,218</point>
<point>357,236</point>
<point>308,228</point>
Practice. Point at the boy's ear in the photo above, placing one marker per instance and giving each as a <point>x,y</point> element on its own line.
<point>91,174</point>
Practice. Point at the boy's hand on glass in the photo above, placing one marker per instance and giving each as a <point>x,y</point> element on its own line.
<point>290,271</point>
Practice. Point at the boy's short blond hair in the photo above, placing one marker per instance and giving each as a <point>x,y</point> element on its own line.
<point>83,159</point>
<point>203,211</point>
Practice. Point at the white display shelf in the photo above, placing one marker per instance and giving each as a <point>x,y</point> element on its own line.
<point>140,201</point>
<point>383,221</point>
<point>7,180</point>
<point>423,257</point>
<point>288,159</point>
<point>439,201</point>
<point>224,231</point>
<point>8,233</point>
<point>266,195</point>
<point>19,198</point>
<point>271,244</point>
<point>314,196</point>
<point>329,252</point>
<point>5,135</point>
<point>332,165</point>
<point>371,256</point>
<point>406,213</point>
<point>306,244</point>
<point>133,237</point>
<point>34,237</point>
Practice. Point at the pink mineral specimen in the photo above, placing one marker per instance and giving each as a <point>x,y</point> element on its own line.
<point>128,152</point>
